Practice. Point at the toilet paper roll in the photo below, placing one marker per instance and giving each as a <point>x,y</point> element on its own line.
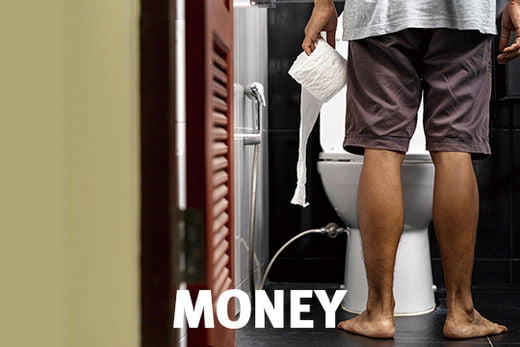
<point>322,75</point>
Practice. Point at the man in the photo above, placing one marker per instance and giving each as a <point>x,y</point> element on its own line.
<point>399,49</point>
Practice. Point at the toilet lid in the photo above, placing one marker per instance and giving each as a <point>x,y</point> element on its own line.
<point>346,156</point>
<point>340,156</point>
<point>332,125</point>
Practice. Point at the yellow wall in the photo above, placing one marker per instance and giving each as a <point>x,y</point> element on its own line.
<point>69,256</point>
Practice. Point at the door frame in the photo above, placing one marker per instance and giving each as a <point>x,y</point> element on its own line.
<point>160,215</point>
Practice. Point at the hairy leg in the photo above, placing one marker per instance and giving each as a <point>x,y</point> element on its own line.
<point>381,219</point>
<point>455,217</point>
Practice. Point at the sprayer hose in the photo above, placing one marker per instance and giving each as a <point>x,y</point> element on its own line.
<point>252,221</point>
<point>310,231</point>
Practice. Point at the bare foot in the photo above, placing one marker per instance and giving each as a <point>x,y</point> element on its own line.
<point>465,326</point>
<point>370,325</point>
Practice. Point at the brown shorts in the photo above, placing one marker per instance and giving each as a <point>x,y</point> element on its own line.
<point>387,74</point>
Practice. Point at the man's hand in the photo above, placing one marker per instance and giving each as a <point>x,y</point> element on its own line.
<point>323,18</point>
<point>510,23</point>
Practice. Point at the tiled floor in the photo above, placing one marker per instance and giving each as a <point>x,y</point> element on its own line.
<point>425,330</point>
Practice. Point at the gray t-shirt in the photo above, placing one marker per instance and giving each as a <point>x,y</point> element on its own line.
<point>366,18</point>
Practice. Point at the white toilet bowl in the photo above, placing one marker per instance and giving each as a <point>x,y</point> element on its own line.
<point>413,286</point>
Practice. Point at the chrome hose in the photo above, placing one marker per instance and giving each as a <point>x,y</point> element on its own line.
<point>252,222</point>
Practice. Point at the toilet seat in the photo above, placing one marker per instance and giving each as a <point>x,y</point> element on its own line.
<point>346,156</point>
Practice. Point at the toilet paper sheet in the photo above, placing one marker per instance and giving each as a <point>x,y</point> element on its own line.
<point>322,75</point>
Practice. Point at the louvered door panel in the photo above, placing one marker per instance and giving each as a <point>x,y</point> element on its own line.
<point>209,127</point>
<point>221,144</point>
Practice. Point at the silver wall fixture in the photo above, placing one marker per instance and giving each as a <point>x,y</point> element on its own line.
<point>263,3</point>
<point>272,3</point>
<point>255,92</point>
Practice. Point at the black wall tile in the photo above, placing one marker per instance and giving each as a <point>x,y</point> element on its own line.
<point>435,252</point>
<point>287,220</point>
<point>494,180</point>
<point>492,273</point>
<point>315,270</point>
<point>512,76</point>
<point>516,194</point>
<point>438,274</point>
<point>515,114</point>
<point>313,257</point>
<point>487,274</point>
<point>286,24</point>
<point>501,116</point>
<point>515,268</point>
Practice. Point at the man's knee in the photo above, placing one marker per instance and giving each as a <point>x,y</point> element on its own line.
<point>451,158</point>
<point>384,154</point>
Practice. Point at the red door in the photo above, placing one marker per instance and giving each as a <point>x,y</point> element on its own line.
<point>209,145</point>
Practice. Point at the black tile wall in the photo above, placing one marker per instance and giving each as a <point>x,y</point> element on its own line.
<point>487,274</point>
<point>500,117</point>
<point>515,114</point>
<point>438,274</point>
<point>494,177</point>
<point>434,246</point>
<point>490,274</point>
<point>516,192</point>
<point>515,268</point>
<point>316,252</point>
<point>313,258</point>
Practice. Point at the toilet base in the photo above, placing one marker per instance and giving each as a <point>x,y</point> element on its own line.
<point>413,283</point>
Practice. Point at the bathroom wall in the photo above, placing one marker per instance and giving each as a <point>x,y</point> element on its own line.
<point>313,258</point>
<point>250,66</point>
<point>101,110</point>
<point>69,202</point>
<point>33,250</point>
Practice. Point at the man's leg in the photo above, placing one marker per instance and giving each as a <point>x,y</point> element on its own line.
<point>381,219</point>
<point>455,217</point>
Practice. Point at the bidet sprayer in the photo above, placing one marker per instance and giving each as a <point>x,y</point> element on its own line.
<point>255,91</point>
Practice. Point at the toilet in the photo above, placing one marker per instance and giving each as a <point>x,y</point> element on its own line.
<point>339,171</point>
